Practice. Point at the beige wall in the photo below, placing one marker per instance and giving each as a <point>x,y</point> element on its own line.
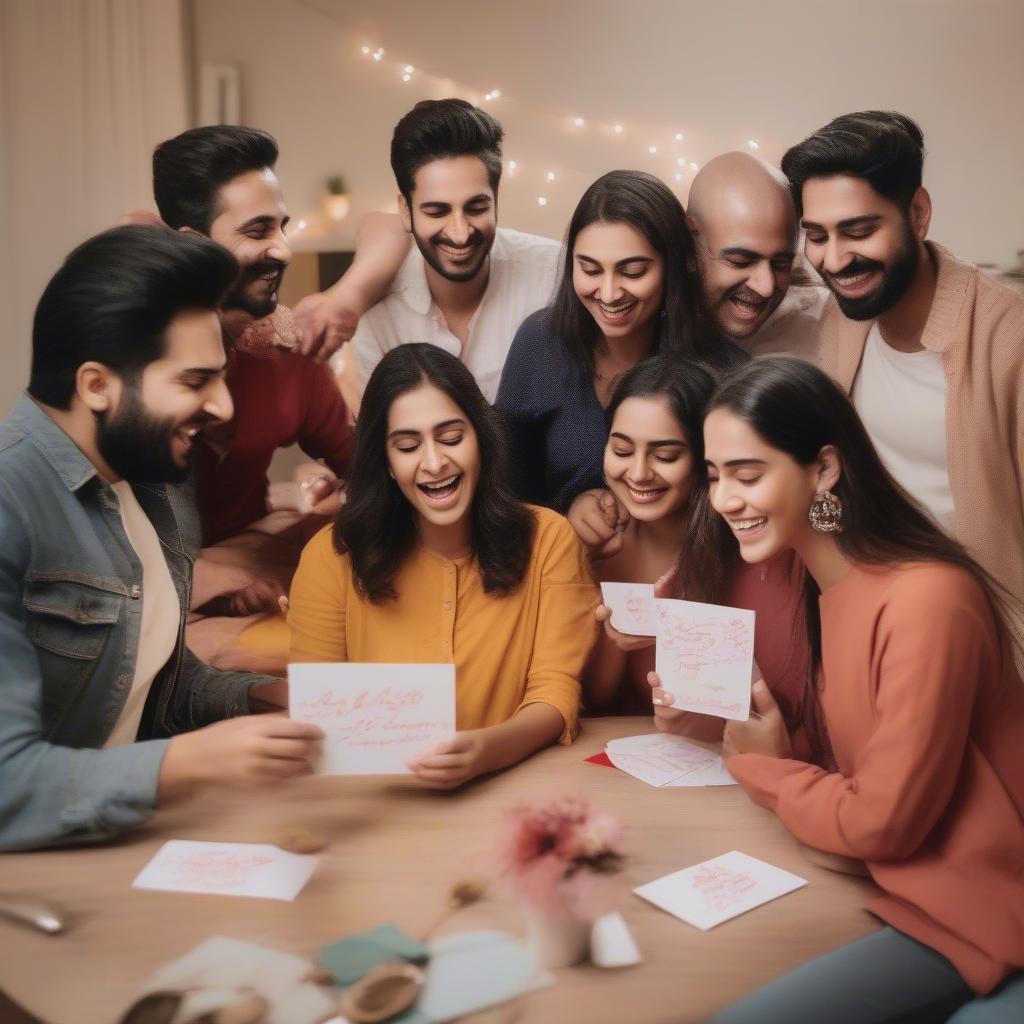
<point>721,72</point>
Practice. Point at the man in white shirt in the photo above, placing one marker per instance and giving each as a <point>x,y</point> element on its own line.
<point>466,285</point>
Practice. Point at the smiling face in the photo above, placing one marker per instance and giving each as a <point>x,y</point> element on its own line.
<point>865,247</point>
<point>150,434</point>
<point>452,214</point>
<point>434,457</point>
<point>618,276</point>
<point>746,261</point>
<point>249,221</point>
<point>762,493</point>
<point>648,463</point>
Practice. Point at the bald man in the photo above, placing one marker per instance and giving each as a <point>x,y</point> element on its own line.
<point>741,213</point>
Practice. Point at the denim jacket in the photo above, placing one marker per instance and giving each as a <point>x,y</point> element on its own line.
<point>70,615</point>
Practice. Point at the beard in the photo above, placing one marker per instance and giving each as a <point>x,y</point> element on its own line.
<point>255,290</point>
<point>897,277</point>
<point>465,272</point>
<point>137,445</point>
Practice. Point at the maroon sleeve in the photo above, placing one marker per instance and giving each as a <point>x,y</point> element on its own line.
<point>324,430</point>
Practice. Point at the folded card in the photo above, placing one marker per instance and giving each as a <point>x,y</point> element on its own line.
<point>705,654</point>
<point>716,890</point>
<point>632,606</point>
<point>375,716</point>
<point>660,759</point>
<point>227,869</point>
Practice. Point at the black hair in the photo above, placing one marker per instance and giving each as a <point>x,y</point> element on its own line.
<point>112,300</point>
<point>189,169</point>
<point>797,409</point>
<point>883,147</point>
<point>645,203</point>
<point>377,525</point>
<point>704,560</point>
<point>441,129</point>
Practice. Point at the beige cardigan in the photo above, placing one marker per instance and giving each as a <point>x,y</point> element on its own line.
<point>978,326</point>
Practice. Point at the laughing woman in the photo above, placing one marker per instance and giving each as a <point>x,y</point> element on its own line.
<point>921,700</point>
<point>626,292</point>
<point>433,559</point>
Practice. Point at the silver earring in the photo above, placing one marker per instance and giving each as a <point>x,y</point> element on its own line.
<point>826,513</point>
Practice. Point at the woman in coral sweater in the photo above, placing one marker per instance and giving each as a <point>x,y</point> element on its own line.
<point>433,559</point>
<point>921,700</point>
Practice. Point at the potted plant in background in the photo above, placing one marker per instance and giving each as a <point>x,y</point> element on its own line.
<point>559,857</point>
<point>336,202</point>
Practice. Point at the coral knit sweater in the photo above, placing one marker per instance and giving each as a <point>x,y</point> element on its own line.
<point>925,713</point>
<point>977,325</point>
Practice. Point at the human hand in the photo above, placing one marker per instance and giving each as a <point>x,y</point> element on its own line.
<point>764,732</point>
<point>248,751</point>
<point>326,320</point>
<point>666,718</point>
<point>598,519</point>
<point>452,762</point>
<point>624,641</point>
<point>260,596</point>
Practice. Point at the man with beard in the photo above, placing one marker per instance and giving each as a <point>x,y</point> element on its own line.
<point>127,372</point>
<point>467,285</point>
<point>219,181</point>
<point>744,226</point>
<point>927,345</point>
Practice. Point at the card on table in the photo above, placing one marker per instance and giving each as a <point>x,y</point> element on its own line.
<point>227,869</point>
<point>632,606</point>
<point>660,759</point>
<point>717,890</point>
<point>705,655</point>
<point>375,716</point>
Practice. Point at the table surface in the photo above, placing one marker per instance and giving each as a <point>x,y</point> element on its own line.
<point>395,850</point>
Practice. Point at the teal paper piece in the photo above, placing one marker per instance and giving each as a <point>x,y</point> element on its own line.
<point>473,970</point>
<point>350,958</point>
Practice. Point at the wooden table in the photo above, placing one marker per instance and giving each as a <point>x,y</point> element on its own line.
<point>394,852</point>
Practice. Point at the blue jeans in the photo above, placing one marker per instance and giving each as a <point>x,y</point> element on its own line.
<point>885,978</point>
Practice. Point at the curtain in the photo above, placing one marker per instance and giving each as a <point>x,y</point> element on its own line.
<point>87,89</point>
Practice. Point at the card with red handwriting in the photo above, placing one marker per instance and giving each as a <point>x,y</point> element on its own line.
<point>716,890</point>
<point>704,656</point>
<point>632,606</point>
<point>227,869</point>
<point>376,716</point>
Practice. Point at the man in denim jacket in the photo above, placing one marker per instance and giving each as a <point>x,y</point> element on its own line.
<point>95,570</point>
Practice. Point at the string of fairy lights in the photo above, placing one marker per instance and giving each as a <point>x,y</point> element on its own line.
<point>668,144</point>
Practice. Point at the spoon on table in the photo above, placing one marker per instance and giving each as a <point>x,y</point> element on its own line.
<point>24,910</point>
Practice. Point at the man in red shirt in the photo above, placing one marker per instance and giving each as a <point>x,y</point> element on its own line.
<point>219,181</point>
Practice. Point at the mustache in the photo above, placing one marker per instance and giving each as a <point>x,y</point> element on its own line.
<point>745,294</point>
<point>858,265</point>
<point>264,269</point>
<point>475,237</point>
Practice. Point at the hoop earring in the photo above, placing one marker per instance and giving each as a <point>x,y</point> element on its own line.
<point>825,513</point>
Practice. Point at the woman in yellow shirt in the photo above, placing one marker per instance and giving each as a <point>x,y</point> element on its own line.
<point>433,559</point>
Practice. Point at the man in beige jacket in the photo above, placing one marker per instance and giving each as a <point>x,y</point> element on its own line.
<point>930,349</point>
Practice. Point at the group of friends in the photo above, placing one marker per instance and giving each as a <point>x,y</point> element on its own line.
<point>678,397</point>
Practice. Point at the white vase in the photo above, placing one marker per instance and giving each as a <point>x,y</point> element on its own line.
<point>556,937</point>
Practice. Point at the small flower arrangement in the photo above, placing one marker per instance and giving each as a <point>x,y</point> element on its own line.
<point>558,856</point>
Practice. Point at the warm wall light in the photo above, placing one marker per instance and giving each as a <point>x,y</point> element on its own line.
<point>752,144</point>
<point>679,136</point>
<point>366,50</point>
<point>578,121</point>
<point>652,150</point>
<point>618,129</point>
<point>378,55</point>
<point>542,201</point>
<point>550,175</point>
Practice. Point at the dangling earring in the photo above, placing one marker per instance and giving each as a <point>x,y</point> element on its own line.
<point>825,513</point>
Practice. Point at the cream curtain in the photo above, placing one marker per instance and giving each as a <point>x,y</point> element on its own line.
<point>87,89</point>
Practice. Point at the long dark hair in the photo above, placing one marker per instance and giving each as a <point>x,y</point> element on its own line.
<point>649,206</point>
<point>377,525</point>
<point>705,553</point>
<point>795,408</point>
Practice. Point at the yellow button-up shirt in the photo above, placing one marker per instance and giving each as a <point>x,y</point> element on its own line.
<point>526,647</point>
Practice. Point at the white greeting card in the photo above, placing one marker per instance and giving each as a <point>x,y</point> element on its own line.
<point>664,760</point>
<point>227,869</point>
<point>632,606</point>
<point>704,656</point>
<point>716,890</point>
<point>375,716</point>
